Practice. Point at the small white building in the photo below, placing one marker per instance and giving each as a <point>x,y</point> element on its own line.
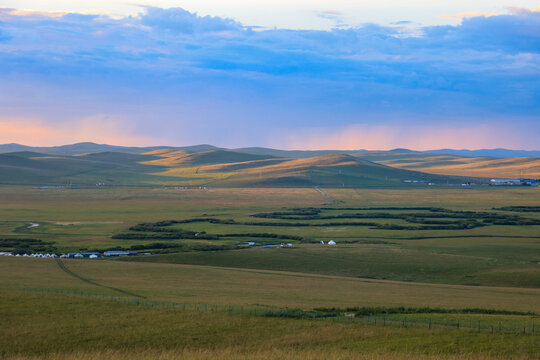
<point>331,242</point>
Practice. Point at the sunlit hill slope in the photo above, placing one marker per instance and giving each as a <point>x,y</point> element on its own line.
<point>209,166</point>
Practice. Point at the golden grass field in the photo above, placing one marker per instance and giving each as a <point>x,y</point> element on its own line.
<point>512,168</point>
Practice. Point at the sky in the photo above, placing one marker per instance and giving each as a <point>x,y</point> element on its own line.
<point>291,74</point>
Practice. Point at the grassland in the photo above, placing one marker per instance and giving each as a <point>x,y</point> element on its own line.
<point>493,255</point>
<point>94,329</point>
<point>266,288</point>
<point>370,267</point>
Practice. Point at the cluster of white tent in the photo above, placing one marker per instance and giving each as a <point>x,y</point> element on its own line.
<point>331,242</point>
<point>37,255</point>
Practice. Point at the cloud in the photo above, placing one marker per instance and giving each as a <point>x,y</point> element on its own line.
<point>171,74</point>
<point>469,14</point>
<point>38,132</point>
<point>522,10</point>
<point>181,21</point>
<point>512,33</point>
<point>333,15</point>
<point>386,137</point>
<point>402,22</point>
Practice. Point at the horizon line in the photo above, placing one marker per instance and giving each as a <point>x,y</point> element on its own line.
<point>266,147</point>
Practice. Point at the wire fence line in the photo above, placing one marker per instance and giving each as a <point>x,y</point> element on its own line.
<point>525,327</point>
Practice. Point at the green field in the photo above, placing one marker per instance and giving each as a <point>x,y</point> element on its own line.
<point>437,273</point>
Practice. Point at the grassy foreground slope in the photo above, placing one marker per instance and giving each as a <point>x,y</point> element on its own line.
<point>93,329</point>
<point>248,287</point>
<point>39,324</point>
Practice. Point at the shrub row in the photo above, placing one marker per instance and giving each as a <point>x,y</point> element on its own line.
<point>25,246</point>
<point>519,208</point>
<point>364,311</point>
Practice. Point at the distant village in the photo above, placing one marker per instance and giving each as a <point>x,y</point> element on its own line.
<point>78,255</point>
<point>121,253</point>
<point>492,182</point>
<point>515,182</point>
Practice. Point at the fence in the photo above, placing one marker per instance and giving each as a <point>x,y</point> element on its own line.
<point>525,326</point>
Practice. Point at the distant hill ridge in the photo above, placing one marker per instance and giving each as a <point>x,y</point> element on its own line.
<point>89,147</point>
<point>212,166</point>
<point>222,168</point>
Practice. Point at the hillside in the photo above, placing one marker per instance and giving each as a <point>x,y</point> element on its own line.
<point>527,167</point>
<point>174,157</point>
<point>329,170</point>
<point>42,169</point>
<point>436,163</point>
<point>208,168</point>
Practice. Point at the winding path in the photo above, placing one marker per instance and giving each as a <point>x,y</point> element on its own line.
<point>64,268</point>
<point>323,193</point>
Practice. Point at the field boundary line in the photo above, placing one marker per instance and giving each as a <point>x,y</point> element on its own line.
<point>65,269</point>
<point>395,320</point>
<point>504,289</point>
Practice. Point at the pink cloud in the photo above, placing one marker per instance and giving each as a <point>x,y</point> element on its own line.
<point>101,129</point>
<point>468,14</point>
<point>417,137</point>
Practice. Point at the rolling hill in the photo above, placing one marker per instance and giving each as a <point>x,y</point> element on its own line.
<point>211,166</point>
<point>43,169</point>
<point>89,147</point>
<point>442,164</point>
<point>173,157</point>
<point>521,167</point>
<point>228,168</point>
<point>208,168</point>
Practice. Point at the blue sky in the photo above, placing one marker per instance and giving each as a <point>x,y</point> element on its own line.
<point>160,75</point>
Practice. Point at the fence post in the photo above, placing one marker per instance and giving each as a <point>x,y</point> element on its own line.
<point>458,325</point>
<point>478,325</point>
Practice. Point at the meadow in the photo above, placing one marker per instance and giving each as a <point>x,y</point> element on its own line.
<point>423,282</point>
<point>93,329</point>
